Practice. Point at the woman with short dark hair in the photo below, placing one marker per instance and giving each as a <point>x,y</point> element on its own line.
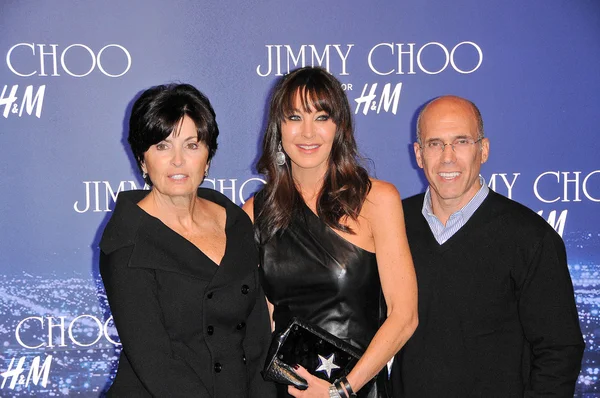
<point>332,241</point>
<point>180,266</point>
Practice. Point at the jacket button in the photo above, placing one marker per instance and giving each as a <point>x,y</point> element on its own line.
<point>210,330</point>
<point>240,326</point>
<point>244,359</point>
<point>245,289</point>
<point>209,295</point>
<point>218,367</point>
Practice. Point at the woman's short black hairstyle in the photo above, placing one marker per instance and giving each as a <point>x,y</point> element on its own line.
<point>159,110</point>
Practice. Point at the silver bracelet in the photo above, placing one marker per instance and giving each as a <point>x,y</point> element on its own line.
<point>333,392</point>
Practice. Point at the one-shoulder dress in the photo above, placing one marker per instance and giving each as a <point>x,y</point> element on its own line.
<point>311,272</point>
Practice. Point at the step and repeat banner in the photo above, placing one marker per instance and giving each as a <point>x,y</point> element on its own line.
<point>70,71</point>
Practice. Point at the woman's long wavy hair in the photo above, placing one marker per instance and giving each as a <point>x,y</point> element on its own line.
<point>346,183</point>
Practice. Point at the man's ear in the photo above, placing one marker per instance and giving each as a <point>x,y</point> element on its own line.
<point>485,150</point>
<point>418,154</point>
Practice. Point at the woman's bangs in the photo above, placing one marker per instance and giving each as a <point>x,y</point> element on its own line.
<point>312,99</point>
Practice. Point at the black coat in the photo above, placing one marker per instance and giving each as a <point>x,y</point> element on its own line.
<point>189,327</point>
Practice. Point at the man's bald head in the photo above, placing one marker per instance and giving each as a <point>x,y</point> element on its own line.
<point>445,101</point>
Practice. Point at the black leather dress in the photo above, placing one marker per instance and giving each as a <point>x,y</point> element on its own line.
<point>311,272</point>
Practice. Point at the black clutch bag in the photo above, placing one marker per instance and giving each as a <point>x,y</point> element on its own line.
<point>318,351</point>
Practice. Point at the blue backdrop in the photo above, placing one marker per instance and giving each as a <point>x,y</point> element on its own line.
<point>69,72</point>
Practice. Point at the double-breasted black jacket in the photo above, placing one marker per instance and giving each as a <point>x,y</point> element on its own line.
<point>189,327</point>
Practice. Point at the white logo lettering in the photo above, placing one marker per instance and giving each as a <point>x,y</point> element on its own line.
<point>389,99</point>
<point>49,55</point>
<point>566,186</point>
<point>82,331</point>
<point>27,104</point>
<point>100,196</point>
<point>405,58</point>
<point>92,195</point>
<point>508,184</point>
<point>296,60</point>
<point>35,372</point>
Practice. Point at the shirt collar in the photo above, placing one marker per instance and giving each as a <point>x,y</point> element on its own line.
<point>467,211</point>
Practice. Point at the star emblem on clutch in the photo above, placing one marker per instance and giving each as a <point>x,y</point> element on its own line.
<point>327,365</point>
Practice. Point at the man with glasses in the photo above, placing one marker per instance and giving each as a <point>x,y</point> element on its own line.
<point>497,314</point>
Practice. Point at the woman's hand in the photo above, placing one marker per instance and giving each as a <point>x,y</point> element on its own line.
<point>317,388</point>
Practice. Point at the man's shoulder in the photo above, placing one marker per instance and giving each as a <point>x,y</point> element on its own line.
<point>517,216</point>
<point>510,208</point>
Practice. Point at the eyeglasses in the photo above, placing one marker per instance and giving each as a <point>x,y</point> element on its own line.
<point>458,145</point>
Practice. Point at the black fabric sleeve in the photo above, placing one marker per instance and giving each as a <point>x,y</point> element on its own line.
<point>256,344</point>
<point>550,322</point>
<point>131,294</point>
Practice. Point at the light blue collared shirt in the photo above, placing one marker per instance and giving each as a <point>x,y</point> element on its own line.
<point>457,219</point>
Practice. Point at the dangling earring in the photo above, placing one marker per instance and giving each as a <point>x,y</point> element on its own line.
<point>279,156</point>
<point>206,173</point>
<point>144,175</point>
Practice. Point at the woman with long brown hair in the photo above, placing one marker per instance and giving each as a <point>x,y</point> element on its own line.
<point>332,242</point>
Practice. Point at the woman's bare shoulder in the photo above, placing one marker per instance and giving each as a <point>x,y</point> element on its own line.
<point>383,193</point>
